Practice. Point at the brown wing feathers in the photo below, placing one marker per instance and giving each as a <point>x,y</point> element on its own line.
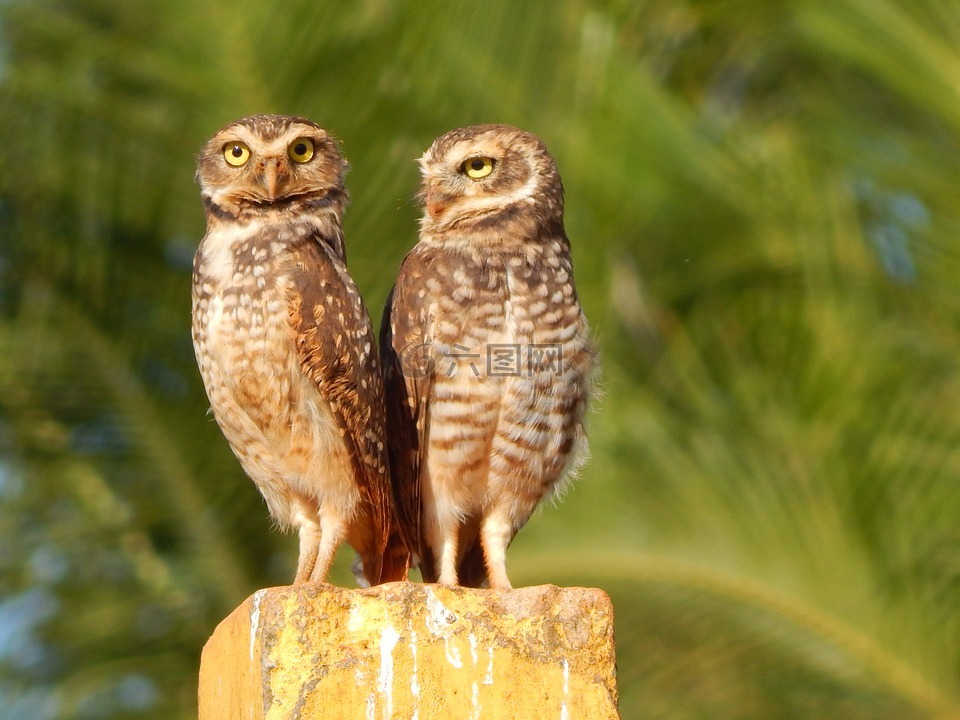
<point>404,395</point>
<point>335,361</point>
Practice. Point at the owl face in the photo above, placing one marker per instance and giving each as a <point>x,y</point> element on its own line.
<point>269,160</point>
<point>477,176</point>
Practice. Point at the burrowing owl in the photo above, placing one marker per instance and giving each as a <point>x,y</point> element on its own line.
<point>284,342</point>
<point>486,351</point>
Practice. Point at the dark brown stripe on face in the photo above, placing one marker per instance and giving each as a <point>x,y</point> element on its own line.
<point>493,220</point>
<point>217,210</point>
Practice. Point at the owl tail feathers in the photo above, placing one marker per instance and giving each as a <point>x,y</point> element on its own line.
<point>391,566</point>
<point>396,558</point>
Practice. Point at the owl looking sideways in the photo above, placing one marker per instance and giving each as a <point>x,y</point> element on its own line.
<point>284,342</point>
<point>487,356</point>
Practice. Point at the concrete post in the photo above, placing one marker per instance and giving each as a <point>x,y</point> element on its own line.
<point>412,652</point>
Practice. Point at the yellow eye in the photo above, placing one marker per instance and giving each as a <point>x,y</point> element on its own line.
<point>301,150</point>
<point>236,153</point>
<point>477,167</point>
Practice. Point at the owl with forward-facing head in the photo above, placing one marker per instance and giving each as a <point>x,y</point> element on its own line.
<point>284,342</point>
<point>487,356</point>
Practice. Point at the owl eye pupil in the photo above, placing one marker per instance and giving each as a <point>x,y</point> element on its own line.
<point>301,150</point>
<point>237,151</point>
<point>477,168</point>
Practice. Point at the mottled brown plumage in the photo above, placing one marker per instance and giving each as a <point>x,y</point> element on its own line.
<point>487,356</point>
<point>284,342</point>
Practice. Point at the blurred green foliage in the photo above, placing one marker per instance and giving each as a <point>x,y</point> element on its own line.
<point>763,201</point>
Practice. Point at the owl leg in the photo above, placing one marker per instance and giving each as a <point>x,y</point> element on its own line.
<point>448,560</point>
<point>319,539</point>
<point>332,533</point>
<point>441,525</point>
<point>444,536</point>
<point>309,531</point>
<point>495,536</point>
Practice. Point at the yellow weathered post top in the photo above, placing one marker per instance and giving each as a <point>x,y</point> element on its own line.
<point>412,651</point>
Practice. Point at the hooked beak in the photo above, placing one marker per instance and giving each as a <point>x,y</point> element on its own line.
<point>272,179</point>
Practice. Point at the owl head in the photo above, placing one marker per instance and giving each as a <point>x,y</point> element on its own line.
<point>266,161</point>
<point>483,176</point>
